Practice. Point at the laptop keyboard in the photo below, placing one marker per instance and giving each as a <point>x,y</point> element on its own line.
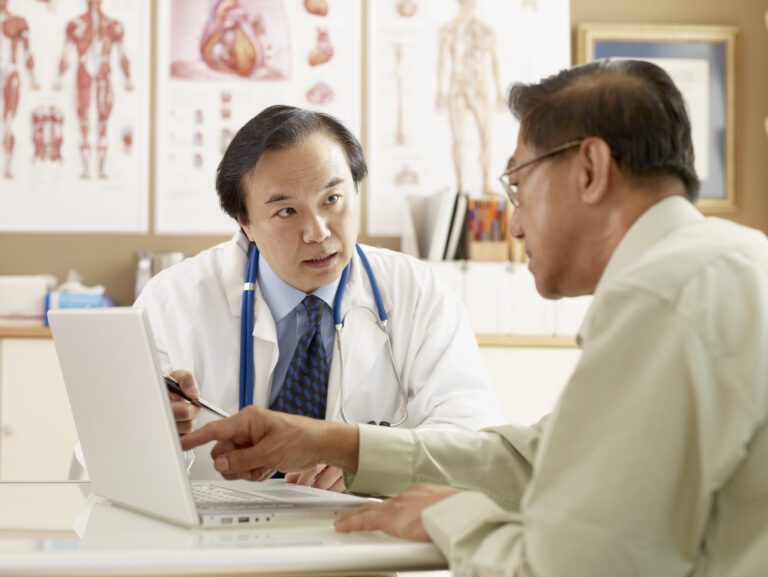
<point>209,497</point>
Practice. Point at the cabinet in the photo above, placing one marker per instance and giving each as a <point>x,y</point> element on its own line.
<point>37,432</point>
<point>501,299</point>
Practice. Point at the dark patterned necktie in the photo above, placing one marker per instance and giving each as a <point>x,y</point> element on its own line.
<point>305,388</point>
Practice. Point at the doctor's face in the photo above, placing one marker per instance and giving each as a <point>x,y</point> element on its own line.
<point>302,207</point>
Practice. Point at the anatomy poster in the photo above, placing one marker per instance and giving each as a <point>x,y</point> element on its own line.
<point>75,99</point>
<point>438,76</point>
<point>220,62</point>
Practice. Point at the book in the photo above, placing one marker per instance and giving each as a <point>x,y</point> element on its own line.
<point>457,226</point>
<point>432,218</point>
<point>409,240</point>
<point>437,223</point>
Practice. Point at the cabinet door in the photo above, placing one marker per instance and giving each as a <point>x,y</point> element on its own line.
<point>37,430</point>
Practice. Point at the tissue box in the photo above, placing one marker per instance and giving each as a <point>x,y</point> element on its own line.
<point>22,299</point>
<point>73,299</point>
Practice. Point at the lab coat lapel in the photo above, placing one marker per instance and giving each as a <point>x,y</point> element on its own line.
<point>234,258</point>
<point>233,261</point>
<point>362,339</point>
<point>265,351</point>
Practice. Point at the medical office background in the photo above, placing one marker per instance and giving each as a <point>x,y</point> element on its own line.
<point>527,371</point>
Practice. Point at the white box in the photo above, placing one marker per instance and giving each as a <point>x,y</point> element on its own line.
<point>22,298</point>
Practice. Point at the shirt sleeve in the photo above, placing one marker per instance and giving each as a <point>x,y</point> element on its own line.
<point>496,462</point>
<point>617,487</point>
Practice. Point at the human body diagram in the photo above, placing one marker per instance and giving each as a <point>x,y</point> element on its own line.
<point>467,66</point>
<point>14,50</point>
<point>93,37</point>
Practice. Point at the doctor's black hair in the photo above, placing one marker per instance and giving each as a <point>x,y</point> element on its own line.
<point>274,128</point>
<point>632,105</point>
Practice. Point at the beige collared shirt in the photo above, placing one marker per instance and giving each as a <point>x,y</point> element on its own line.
<point>655,460</point>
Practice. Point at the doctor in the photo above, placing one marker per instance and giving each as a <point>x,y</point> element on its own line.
<point>309,336</point>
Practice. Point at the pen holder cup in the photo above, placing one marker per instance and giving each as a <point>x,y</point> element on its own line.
<point>489,251</point>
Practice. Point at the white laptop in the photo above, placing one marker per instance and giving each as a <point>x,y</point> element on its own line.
<point>129,438</point>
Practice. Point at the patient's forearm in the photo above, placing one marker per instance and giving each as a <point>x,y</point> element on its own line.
<point>339,446</point>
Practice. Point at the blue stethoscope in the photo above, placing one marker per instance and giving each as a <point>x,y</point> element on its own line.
<point>246,332</point>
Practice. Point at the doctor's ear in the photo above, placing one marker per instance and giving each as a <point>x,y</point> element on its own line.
<point>244,228</point>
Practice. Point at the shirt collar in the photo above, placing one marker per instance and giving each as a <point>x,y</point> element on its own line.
<point>282,298</point>
<point>653,225</point>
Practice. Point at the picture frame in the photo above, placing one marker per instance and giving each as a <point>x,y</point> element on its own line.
<point>702,62</point>
<point>416,141</point>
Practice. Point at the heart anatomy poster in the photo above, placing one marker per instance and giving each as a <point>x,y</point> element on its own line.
<point>220,62</point>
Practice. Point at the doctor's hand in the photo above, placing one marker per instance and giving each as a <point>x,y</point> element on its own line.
<point>256,442</point>
<point>399,516</point>
<point>184,412</point>
<point>321,476</point>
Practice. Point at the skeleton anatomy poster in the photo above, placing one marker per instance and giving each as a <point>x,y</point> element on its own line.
<point>438,75</point>
<point>220,62</point>
<point>75,112</point>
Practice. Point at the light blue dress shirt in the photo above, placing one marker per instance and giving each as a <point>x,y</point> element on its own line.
<point>284,302</point>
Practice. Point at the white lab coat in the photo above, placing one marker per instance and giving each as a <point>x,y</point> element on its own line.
<point>194,309</point>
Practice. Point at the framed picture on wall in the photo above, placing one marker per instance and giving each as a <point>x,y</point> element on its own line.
<point>702,62</point>
<point>437,76</point>
<point>219,63</point>
<point>75,116</point>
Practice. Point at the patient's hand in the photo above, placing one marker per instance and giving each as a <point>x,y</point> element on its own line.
<point>320,476</point>
<point>399,516</point>
<point>185,412</point>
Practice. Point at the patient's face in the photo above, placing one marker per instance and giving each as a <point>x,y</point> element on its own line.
<point>302,208</point>
<point>548,220</point>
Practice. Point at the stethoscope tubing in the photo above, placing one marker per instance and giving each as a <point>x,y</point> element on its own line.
<point>247,323</point>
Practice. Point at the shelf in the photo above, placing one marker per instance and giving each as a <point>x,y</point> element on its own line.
<point>35,332</point>
<point>526,341</point>
<point>483,340</point>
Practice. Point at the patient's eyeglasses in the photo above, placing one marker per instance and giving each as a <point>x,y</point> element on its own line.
<point>511,189</point>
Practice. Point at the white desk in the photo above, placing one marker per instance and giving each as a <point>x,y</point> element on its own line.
<point>62,529</point>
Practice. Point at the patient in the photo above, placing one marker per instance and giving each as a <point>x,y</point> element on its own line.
<point>655,459</point>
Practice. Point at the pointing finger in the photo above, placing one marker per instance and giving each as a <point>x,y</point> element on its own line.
<point>243,460</point>
<point>222,430</point>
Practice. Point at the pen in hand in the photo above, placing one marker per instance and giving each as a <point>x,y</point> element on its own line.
<point>174,387</point>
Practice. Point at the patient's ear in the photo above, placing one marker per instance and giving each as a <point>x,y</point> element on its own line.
<point>595,164</point>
